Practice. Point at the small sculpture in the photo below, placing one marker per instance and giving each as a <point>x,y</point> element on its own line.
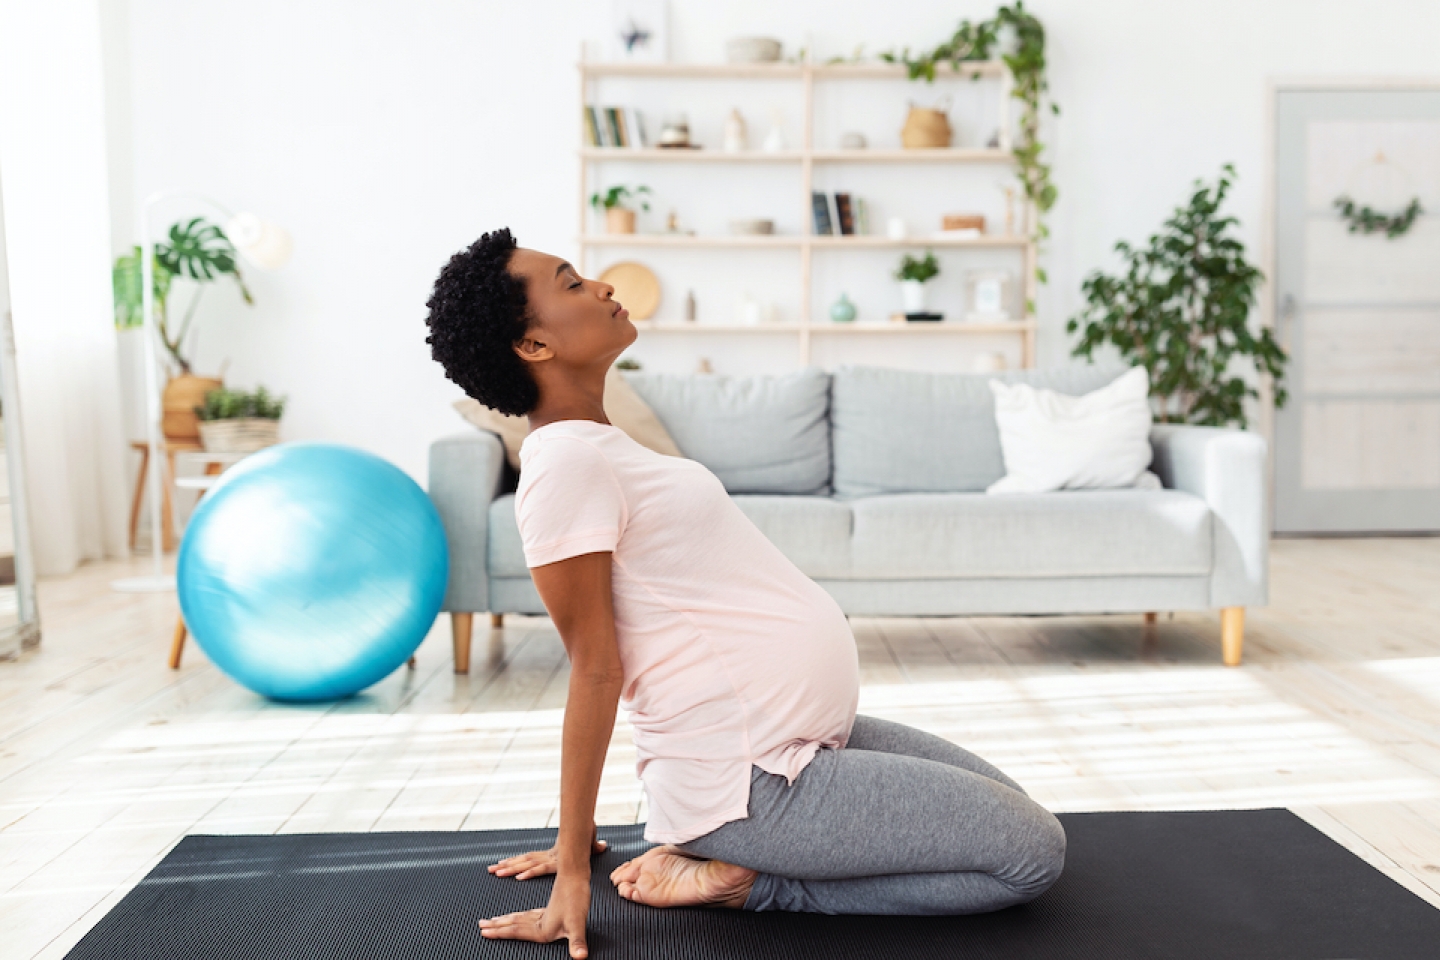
<point>736,136</point>
<point>775,139</point>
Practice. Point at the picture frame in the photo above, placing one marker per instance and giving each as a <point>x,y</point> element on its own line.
<point>640,31</point>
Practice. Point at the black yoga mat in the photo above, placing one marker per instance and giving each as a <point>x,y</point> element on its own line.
<point>1238,884</point>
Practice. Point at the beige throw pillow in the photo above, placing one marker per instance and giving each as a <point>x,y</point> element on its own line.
<point>623,406</point>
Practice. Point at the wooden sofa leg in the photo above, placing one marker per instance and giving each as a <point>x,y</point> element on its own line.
<point>1150,618</point>
<point>460,626</point>
<point>1232,634</point>
<point>497,620</point>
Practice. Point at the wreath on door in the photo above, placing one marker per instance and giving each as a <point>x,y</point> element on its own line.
<point>1362,218</point>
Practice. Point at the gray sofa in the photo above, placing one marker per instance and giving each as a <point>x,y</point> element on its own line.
<point>872,481</point>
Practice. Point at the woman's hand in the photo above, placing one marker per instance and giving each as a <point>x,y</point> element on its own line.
<point>539,863</point>
<point>562,919</point>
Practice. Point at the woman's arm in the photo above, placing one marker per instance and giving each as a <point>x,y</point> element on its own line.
<point>576,593</point>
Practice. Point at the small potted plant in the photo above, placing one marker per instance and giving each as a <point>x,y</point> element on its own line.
<point>233,421</point>
<point>619,218</point>
<point>913,275</point>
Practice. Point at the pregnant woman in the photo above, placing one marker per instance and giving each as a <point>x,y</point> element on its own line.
<point>740,674</point>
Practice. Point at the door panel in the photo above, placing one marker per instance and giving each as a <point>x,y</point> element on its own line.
<point>1358,447</point>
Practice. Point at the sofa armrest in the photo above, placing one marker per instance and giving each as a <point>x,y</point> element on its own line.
<point>465,474</point>
<point>1226,469</point>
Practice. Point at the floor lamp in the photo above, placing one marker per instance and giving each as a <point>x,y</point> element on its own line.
<point>265,245</point>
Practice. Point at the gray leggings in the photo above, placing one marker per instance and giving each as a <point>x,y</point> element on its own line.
<point>899,822</point>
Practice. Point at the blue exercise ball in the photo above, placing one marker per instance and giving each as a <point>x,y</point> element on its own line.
<point>310,571</point>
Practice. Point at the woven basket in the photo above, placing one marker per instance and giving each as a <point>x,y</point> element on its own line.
<point>925,129</point>
<point>240,435</point>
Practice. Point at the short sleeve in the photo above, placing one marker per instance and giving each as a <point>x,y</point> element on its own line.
<point>568,503</point>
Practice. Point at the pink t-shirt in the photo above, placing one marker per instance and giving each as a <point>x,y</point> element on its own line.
<point>732,656</point>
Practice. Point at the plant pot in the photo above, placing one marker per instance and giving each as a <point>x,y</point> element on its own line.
<point>912,295</point>
<point>239,435</point>
<point>619,220</point>
<point>925,129</point>
<point>182,395</point>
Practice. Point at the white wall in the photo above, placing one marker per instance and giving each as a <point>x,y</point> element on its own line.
<point>386,135</point>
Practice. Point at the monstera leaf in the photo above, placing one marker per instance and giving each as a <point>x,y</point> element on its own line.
<point>200,250</point>
<point>126,279</point>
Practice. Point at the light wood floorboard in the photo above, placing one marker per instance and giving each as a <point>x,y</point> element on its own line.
<point>108,758</point>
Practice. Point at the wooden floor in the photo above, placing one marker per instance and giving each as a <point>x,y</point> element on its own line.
<point>108,758</point>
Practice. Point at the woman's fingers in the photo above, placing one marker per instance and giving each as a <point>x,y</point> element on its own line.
<point>525,862</point>
<point>515,926</point>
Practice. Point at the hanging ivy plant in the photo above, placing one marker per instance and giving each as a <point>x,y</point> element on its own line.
<point>977,41</point>
<point>1365,220</point>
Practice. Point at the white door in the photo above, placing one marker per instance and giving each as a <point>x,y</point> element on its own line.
<point>1357,448</point>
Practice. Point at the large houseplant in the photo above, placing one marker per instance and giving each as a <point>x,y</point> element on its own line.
<point>196,250</point>
<point>1181,309</point>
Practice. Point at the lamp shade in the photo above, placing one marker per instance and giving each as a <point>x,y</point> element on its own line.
<point>265,244</point>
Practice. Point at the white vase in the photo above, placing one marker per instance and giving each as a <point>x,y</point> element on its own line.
<point>912,294</point>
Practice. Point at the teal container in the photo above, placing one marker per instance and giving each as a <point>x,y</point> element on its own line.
<point>842,310</point>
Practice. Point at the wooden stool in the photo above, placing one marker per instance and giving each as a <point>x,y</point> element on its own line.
<point>167,519</point>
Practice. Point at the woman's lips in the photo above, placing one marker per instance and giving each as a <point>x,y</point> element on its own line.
<point>620,312</point>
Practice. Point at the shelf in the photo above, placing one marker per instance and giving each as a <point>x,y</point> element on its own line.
<point>654,155</point>
<point>938,155</point>
<point>898,71</point>
<point>768,241</point>
<point>871,241</point>
<point>690,326</point>
<point>625,154</point>
<point>830,326</point>
<point>942,326</point>
<point>771,241</point>
<point>698,71</point>
<point>784,71</point>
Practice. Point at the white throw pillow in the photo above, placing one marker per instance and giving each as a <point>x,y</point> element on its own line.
<point>1051,441</point>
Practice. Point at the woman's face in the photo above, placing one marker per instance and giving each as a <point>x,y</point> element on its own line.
<point>578,320</point>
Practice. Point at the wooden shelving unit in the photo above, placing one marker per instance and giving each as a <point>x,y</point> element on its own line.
<point>806,158</point>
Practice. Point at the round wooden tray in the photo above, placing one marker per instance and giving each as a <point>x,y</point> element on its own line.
<point>636,287</point>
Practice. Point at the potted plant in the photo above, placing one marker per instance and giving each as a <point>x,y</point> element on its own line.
<point>619,218</point>
<point>233,421</point>
<point>199,251</point>
<point>1181,309</point>
<point>913,274</point>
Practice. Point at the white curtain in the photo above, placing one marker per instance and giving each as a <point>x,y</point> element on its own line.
<point>54,182</point>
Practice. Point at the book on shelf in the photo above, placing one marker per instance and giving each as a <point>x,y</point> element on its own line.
<point>615,127</point>
<point>845,214</point>
<point>862,217</point>
<point>821,208</point>
<point>592,128</point>
<point>637,129</point>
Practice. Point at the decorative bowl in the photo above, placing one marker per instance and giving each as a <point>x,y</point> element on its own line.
<point>752,50</point>
<point>752,227</point>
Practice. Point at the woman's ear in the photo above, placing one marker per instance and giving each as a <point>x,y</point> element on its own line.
<point>532,350</point>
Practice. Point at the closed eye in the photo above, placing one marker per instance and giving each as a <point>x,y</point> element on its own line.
<point>576,284</point>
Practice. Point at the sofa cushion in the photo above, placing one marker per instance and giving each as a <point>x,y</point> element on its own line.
<point>898,431</point>
<point>760,434</point>
<point>814,532</point>
<point>1082,533</point>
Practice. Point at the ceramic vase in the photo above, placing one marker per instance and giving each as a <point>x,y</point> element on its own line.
<point>842,310</point>
<point>912,295</point>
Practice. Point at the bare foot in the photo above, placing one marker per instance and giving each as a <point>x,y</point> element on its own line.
<point>666,877</point>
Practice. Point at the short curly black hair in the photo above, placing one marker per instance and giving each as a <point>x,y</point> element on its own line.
<point>478,311</point>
